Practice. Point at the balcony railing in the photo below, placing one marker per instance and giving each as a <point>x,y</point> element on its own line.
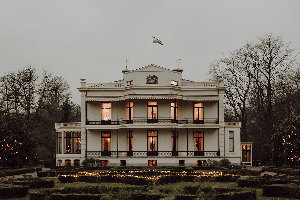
<point>154,121</point>
<point>163,154</point>
<point>103,122</point>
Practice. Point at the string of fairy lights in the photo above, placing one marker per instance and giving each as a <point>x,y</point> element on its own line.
<point>151,175</point>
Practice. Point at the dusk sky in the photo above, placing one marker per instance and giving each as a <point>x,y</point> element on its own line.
<point>92,38</point>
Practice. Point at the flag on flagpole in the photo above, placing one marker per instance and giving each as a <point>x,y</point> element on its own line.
<point>155,40</point>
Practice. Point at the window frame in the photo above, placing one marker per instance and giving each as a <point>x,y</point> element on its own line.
<point>174,118</point>
<point>231,139</point>
<point>102,141</point>
<point>153,139</point>
<point>197,118</point>
<point>102,111</point>
<point>197,138</point>
<point>152,119</point>
<point>72,137</point>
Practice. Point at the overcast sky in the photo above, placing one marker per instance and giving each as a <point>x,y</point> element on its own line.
<point>92,38</point>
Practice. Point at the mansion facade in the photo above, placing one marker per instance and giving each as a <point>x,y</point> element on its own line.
<point>153,117</point>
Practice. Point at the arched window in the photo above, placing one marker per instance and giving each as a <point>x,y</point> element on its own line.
<point>76,163</point>
<point>67,163</point>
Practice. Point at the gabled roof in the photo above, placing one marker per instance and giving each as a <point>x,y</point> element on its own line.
<point>151,67</point>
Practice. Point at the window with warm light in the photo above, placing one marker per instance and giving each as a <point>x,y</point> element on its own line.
<point>231,141</point>
<point>198,111</point>
<point>129,83</point>
<point>106,111</point>
<point>152,111</point>
<point>174,111</point>
<point>175,83</point>
<point>198,141</point>
<point>67,163</point>
<point>72,143</point>
<point>105,140</point>
<point>76,163</point>
<point>152,141</point>
<point>129,111</point>
<point>152,163</point>
<point>246,153</point>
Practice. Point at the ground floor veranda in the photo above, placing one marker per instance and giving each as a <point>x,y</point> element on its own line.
<point>150,147</point>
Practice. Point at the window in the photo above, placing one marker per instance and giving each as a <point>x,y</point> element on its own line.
<point>152,163</point>
<point>129,141</point>
<point>246,153</point>
<point>72,142</point>
<point>152,141</point>
<point>174,141</point>
<point>231,141</point>
<point>201,162</point>
<point>174,82</point>
<point>174,111</point>
<point>59,162</point>
<point>198,112</point>
<point>198,141</point>
<point>129,83</point>
<point>58,143</point>
<point>152,112</point>
<point>181,162</point>
<point>106,111</point>
<point>67,163</point>
<point>76,163</point>
<point>105,141</point>
<point>129,111</point>
<point>123,162</point>
<point>104,163</point>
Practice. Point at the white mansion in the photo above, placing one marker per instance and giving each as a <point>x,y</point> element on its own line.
<point>151,117</point>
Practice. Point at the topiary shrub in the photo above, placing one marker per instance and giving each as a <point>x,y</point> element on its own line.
<point>9,191</point>
<point>36,183</point>
<point>282,190</point>
<point>66,179</point>
<point>42,174</point>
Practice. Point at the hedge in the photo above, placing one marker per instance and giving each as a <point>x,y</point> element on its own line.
<point>36,183</point>
<point>290,171</point>
<point>185,197</point>
<point>259,182</point>
<point>13,191</point>
<point>282,190</point>
<point>42,174</point>
<point>75,196</point>
<point>11,172</point>
<point>237,195</point>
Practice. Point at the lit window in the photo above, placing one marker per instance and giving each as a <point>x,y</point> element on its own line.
<point>129,111</point>
<point>198,141</point>
<point>106,111</point>
<point>152,141</point>
<point>72,142</point>
<point>129,83</point>
<point>231,141</point>
<point>67,163</point>
<point>152,163</point>
<point>152,111</point>
<point>174,82</point>
<point>246,153</point>
<point>59,162</point>
<point>105,140</point>
<point>198,111</point>
<point>174,111</point>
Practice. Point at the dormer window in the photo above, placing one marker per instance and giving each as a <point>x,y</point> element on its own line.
<point>175,83</point>
<point>129,83</point>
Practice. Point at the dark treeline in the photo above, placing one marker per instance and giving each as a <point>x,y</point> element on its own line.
<point>263,92</point>
<point>29,107</point>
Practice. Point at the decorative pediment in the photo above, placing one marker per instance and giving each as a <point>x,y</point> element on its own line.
<point>152,79</point>
<point>151,68</point>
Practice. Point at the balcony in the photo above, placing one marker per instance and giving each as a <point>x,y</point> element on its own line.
<point>161,154</point>
<point>140,120</point>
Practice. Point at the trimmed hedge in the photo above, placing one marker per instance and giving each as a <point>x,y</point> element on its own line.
<point>11,172</point>
<point>259,182</point>
<point>66,179</point>
<point>282,190</point>
<point>185,197</point>
<point>36,183</point>
<point>42,174</point>
<point>237,195</point>
<point>75,196</point>
<point>290,171</point>
<point>10,191</point>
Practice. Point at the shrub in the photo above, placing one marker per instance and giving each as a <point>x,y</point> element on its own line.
<point>66,179</point>
<point>56,196</point>
<point>185,197</point>
<point>88,179</point>
<point>191,189</point>
<point>36,183</point>
<point>226,178</point>
<point>11,172</point>
<point>42,174</point>
<point>146,196</point>
<point>13,191</point>
<point>224,163</point>
<point>237,195</point>
<point>282,190</point>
